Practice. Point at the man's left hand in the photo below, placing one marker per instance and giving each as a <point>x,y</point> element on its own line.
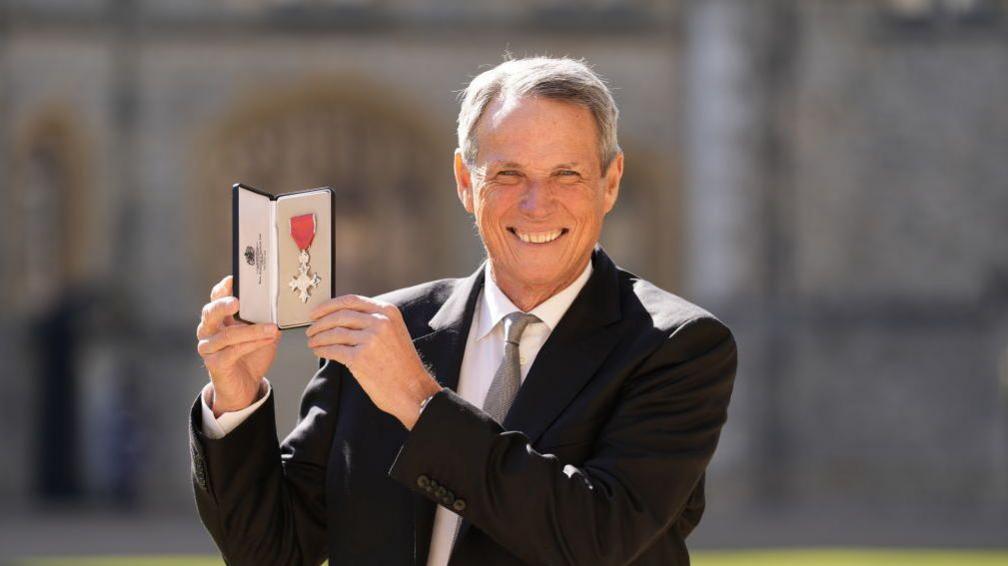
<point>370,338</point>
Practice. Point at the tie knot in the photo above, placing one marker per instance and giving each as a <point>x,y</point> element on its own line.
<point>515,323</point>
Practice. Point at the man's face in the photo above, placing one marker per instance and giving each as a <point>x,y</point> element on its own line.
<point>537,191</point>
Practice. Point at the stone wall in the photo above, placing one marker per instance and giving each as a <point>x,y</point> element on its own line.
<point>825,176</point>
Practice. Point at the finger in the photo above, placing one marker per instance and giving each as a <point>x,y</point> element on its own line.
<point>222,288</point>
<point>232,335</point>
<point>336,352</point>
<point>353,302</point>
<point>217,315</point>
<point>338,335</point>
<point>344,317</point>
<point>215,311</point>
<point>233,353</point>
<point>205,330</point>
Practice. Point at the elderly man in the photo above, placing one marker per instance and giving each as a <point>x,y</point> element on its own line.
<point>550,408</point>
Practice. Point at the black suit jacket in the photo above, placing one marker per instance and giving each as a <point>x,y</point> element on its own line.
<point>600,460</point>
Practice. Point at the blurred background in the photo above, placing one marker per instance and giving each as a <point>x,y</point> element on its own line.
<point>828,177</point>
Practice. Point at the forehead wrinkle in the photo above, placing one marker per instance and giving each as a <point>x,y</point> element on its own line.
<point>489,132</point>
<point>512,164</point>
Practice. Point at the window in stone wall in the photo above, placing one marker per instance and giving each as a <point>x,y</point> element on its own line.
<point>644,232</point>
<point>941,12</point>
<point>46,223</point>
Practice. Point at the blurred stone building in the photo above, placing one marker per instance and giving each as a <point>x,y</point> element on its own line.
<point>828,177</point>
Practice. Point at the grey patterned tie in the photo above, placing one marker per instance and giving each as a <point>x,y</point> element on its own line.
<point>507,380</point>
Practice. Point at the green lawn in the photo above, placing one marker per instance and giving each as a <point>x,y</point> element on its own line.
<point>851,558</point>
<point>709,558</point>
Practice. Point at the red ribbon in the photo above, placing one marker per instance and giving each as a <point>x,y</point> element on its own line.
<point>303,230</point>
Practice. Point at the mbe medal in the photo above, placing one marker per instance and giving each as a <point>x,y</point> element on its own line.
<point>302,229</point>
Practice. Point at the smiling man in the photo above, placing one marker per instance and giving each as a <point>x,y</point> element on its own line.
<point>550,408</point>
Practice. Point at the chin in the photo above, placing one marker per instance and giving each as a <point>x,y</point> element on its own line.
<point>540,277</point>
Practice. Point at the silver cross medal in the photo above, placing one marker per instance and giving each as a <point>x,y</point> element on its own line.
<point>303,231</point>
<point>303,282</point>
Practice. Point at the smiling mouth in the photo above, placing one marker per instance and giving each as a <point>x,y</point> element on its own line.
<point>539,237</point>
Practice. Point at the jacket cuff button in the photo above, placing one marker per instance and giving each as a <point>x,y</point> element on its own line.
<point>459,505</point>
<point>423,481</point>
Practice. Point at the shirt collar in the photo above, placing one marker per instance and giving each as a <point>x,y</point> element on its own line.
<point>495,304</point>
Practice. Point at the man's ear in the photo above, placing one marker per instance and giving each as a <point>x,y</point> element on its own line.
<point>463,182</point>
<point>612,182</point>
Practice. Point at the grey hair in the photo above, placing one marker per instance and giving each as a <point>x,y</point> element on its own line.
<point>559,79</point>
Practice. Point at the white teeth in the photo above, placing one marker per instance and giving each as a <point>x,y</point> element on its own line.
<point>539,237</point>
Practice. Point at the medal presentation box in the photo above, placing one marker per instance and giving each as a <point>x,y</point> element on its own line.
<point>281,253</point>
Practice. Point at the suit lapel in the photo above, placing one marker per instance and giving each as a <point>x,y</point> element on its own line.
<point>569,358</point>
<point>571,354</point>
<point>566,362</point>
<point>442,350</point>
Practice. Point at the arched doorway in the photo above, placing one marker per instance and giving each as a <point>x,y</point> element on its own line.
<point>380,159</point>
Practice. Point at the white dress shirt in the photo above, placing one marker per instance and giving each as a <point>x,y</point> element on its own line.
<point>484,351</point>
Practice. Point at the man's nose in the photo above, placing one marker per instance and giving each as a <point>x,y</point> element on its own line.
<point>537,199</point>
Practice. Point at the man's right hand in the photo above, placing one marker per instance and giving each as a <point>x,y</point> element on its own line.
<point>236,354</point>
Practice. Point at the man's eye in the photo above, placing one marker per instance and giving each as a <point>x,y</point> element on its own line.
<point>508,177</point>
<point>568,173</point>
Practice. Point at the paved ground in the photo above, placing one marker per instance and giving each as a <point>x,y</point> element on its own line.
<point>36,533</point>
<point>89,533</point>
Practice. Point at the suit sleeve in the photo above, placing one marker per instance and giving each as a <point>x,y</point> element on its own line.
<point>650,455</point>
<point>264,502</point>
